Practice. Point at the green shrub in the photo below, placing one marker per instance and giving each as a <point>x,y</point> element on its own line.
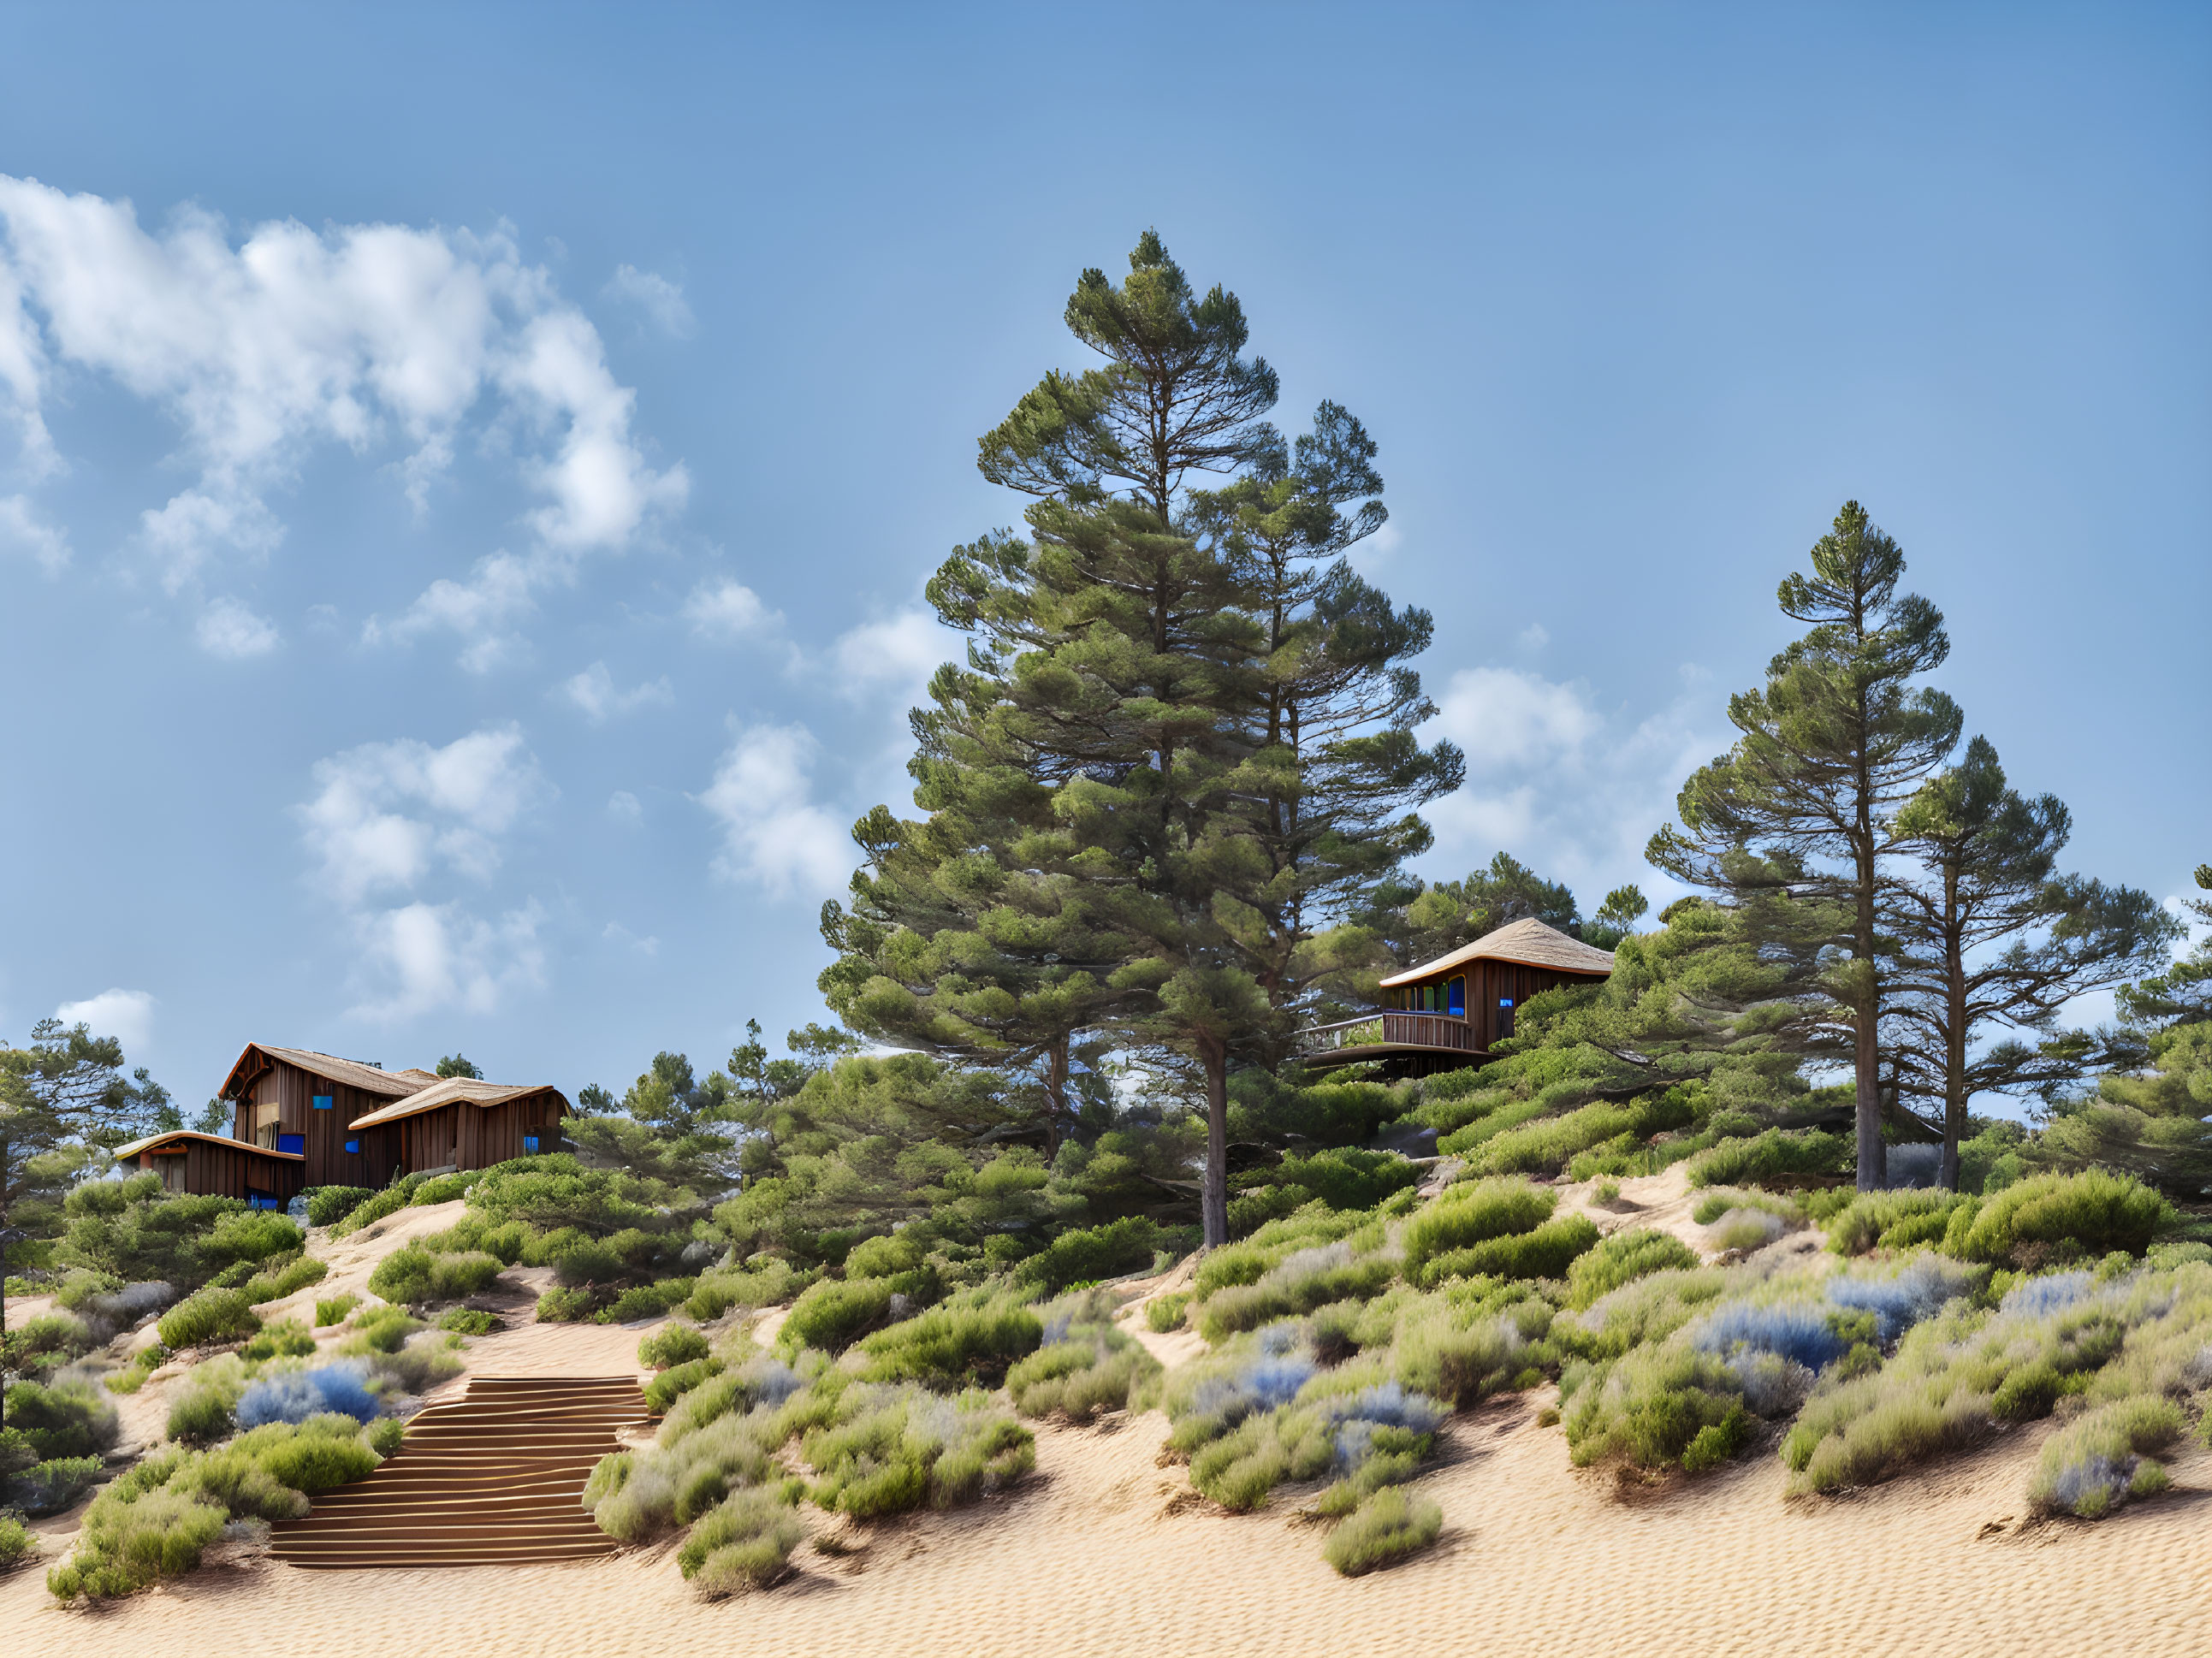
<point>1778,1154</point>
<point>468,1322</point>
<point>672,1383</point>
<point>45,1342</point>
<point>1657,1405</point>
<point>286,1338</point>
<point>65,1418</point>
<point>1088,1365</point>
<point>207,1317</point>
<point>743,1544</point>
<point>948,1347</point>
<point>334,1310</point>
<point>1471,1213</point>
<point>648,1300</point>
<point>414,1275</point>
<point>147,1360</point>
<point>328,1205</point>
<point>43,1487</point>
<point>885,1257</point>
<point>320,1453</point>
<point>2061,1217</point>
<point>1298,1282</point>
<point>1345,1177</point>
<point>1894,1220</point>
<point>18,1542</point>
<point>678,1344</point>
<point>385,1435</point>
<point>1087,1256</point>
<point>1386,1529</point>
<point>1547,1252</point>
<point>763,1284</point>
<point>1718,1201</point>
<point>1163,1314</point>
<point>382,1330</point>
<point>2091,1467</point>
<point>893,1449</point>
<point>422,1364</point>
<point>294,1274</point>
<point>201,1415</point>
<point>1622,1259</point>
<point>835,1313</point>
<point>128,1544</point>
<point>559,1306</point>
<point>392,1200</point>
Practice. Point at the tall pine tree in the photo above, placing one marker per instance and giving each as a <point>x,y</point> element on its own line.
<point>1835,743</point>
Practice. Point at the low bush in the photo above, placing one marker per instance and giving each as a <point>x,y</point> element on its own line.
<point>274,1284</point>
<point>648,1300</point>
<point>207,1317</point>
<point>1386,1529</point>
<point>48,1486</point>
<point>1471,1213</point>
<point>370,1210</point>
<point>1777,1156</point>
<point>385,1435</point>
<point>1298,1282</point>
<point>678,1344</point>
<point>18,1542</point>
<point>720,1436</point>
<point>201,1412</point>
<point>1671,1404</point>
<point>559,1306</point>
<point>45,1342</point>
<point>743,1544</point>
<point>66,1419</point>
<point>382,1330</point>
<point>890,1450</point>
<point>128,1543</point>
<point>1086,1365</point>
<point>328,1205</point>
<point>717,1292</point>
<point>837,1313</point>
<point>1718,1201</point>
<point>1622,1259</point>
<point>2093,1466</point>
<point>1893,1220</point>
<point>951,1347</point>
<point>294,1396</point>
<point>1547,1252</point>
<point>132,1376</point>
<point>885,1257</point>
<point>468,1322</point>
<point>1345,1177</point>
<point>672,1383</point>
<point>2054,1217</point>
<point>1087,1256</point>
<point>1163,1314</point>
<point>413,1276</point>
<point>334,1310</point>
<point>286,1338</point>
<point>421,1364</point>
<point>312,1456</point>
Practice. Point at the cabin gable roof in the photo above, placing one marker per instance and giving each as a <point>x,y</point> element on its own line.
<point>258,1057</point>
<point>1527,942</point>
<point>177,1137</point>
<point>451,1090</point>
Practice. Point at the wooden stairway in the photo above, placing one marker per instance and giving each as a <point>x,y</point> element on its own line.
<point>493,1478</point>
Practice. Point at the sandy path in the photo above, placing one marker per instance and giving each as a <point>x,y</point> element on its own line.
<point>1096,1554</point>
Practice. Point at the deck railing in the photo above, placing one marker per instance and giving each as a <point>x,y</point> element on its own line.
<point>1447,1031</point>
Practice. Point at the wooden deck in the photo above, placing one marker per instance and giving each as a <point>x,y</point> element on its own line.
<point>493,1478</point>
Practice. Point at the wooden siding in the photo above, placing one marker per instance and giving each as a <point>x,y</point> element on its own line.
<point>281,1100</point>
<point>225,1171</point>
<point>462,1135</point>
<point>1489,982</point>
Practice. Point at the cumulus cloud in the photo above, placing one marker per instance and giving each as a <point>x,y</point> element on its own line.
<point>659,301</point>
<point>125,1015</point>
<point>21,530</point>
<point>729,610</point>
<point>623,806</point>
<point>899,652</point>
<point>594,694</point>
<point>391,819</point>
<point>1569,788</point>
<point>228,629</point>
<point>261,348</point>
<point>773,835</point>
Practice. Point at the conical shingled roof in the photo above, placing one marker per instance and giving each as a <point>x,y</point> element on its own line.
<point>1529,942</point>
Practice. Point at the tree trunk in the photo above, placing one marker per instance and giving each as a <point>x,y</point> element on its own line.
<point>1954,1033</point>
<point>1056,1093</point>
<point>1873,1170</point>
<point>1213,1201</point>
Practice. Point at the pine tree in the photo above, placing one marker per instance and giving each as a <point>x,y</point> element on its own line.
<point>1420,920</point>
<point>2182,994</point>
<point>1991,936</point>
<point>1831,747</point>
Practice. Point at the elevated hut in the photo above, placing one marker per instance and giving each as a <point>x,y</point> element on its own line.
<point>1445,1014</point>
<point>188,1161</point>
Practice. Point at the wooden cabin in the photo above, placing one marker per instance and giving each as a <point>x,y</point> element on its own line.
<point>1443,1014</point>
<point>293,1099</point>
<point>459,1122</point>
<point>188,1161</point>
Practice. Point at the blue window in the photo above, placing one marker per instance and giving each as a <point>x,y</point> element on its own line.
<point>1456,997</point>
<point>354,1146</point>
<point>1505,1015</point>
<point>291,1142</point>
<point>322,1102</point>
<point>529,1144</point>
<point>261,1200</point>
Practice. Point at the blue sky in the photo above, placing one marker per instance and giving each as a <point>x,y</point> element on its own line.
<point>467,475</point>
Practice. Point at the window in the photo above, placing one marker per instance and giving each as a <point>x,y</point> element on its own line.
<point>529,1145</point>
<point>1456,997</point>
<point>1505,1015</point>
<point>291,1142</point>
<point>354,1146</point>
<point>261,1200</point>
<point>322,1102</point>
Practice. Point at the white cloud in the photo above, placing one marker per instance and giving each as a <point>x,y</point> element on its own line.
<point>262,348</point>
<point>729,610</point>
<point>594,694</point>
<point>228,629</point>
<point>439,958</point>
<point>773,835</point>
<point>1564,786</point>
<point>623,806</point>
<point>1534,636</point>
<point>616,934</point>
<point>901,651</point>
<point>125,1015</point>
<point>660,300</point>
<point>20,527</point>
